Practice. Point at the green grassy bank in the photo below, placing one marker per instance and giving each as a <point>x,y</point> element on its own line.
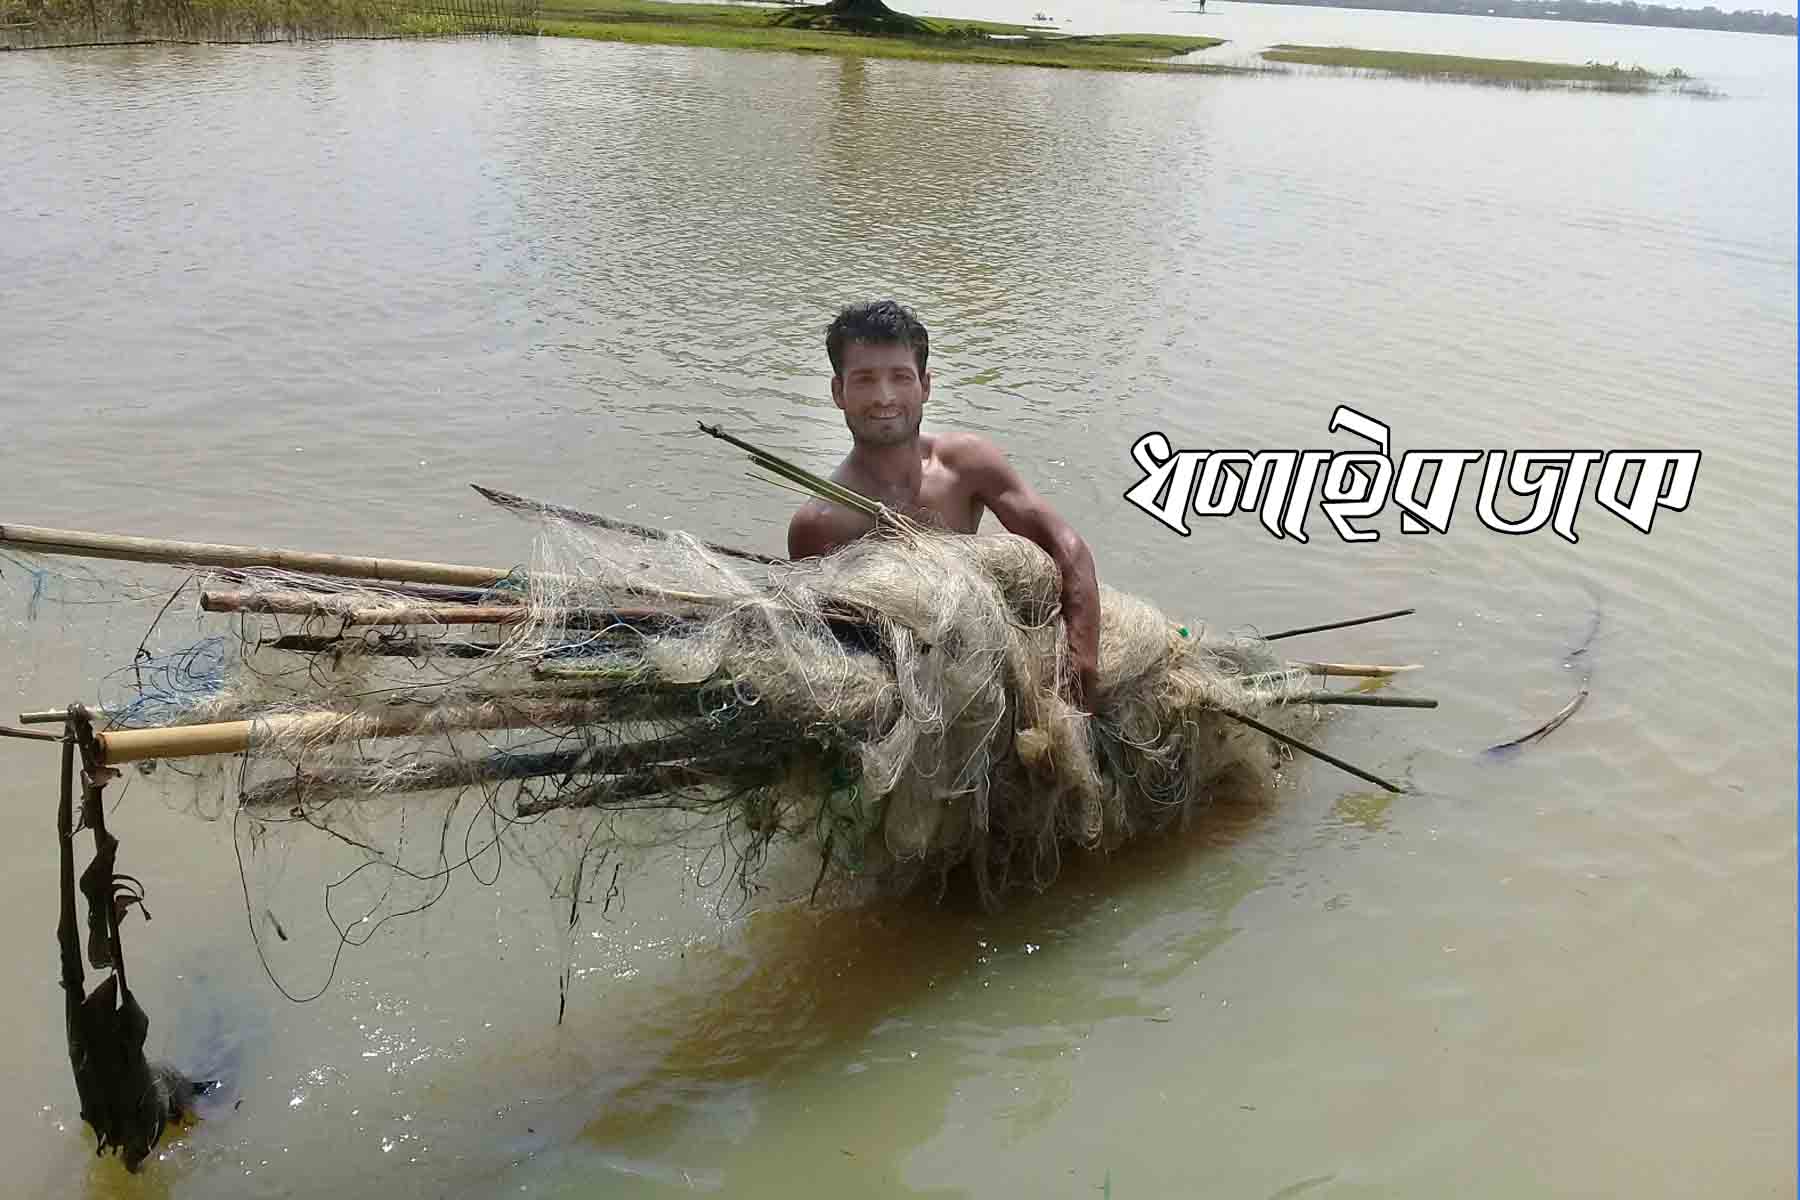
<point>29,23</point>
<point>1515,71</point>
<point>930,39</point>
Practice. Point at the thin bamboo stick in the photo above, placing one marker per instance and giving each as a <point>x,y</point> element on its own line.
<point>29,735</point>
<point>1358,698</point>
<point>34,539</point>
<point>576,516</point>
<point>1317,753</point>
<point>824,488</point>
<point>819,485</point>
<point>448,773</point>
<point>1355,670</point>
<point>1385,616</point>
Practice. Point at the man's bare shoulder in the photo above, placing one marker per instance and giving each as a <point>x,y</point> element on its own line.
<point>961,447</point>
<point>967,452</point>
<point>977,463</point>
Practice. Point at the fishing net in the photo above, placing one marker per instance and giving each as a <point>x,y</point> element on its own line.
<point>897,710</point>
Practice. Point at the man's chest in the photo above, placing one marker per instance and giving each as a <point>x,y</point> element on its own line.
<point>939,501</point>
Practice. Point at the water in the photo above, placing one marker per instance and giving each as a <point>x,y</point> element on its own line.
<point>302,295</point>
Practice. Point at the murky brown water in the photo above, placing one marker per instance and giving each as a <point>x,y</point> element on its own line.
<point>302,295</point>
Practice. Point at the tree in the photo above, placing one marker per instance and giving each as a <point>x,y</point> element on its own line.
<point>854,16</point>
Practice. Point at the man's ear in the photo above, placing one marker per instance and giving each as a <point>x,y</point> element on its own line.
<point>837,390</point>
<point>925,388</point>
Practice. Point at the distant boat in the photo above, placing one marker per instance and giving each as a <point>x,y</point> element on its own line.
<point>1041,18</point>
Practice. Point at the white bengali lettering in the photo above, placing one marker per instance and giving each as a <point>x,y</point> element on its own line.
<point>1665,479</point>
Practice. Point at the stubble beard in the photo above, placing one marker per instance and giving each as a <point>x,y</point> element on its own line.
<point>878,435</point>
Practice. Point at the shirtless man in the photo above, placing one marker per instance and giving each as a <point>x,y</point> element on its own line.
<point>879,379</point>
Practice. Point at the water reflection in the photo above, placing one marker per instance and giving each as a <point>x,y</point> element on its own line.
<point>846,1037</point>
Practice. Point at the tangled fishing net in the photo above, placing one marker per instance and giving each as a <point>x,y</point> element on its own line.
<point>900,707</point>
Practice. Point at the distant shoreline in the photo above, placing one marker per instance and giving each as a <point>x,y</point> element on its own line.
<point>1576,12</point>
<point>85,23</point>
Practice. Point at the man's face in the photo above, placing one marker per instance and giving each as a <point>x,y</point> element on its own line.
<point>882,393</point>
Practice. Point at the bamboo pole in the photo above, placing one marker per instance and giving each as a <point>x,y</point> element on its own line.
<point>383,646</point>
<point>312,729</point>
<point>359,612</point>
<point>504,766</point>
<point>437,593</point>
<point>449,773</point>
<point>33,539</point>
<point>849,623</point>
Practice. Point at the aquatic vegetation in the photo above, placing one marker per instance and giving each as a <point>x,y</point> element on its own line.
<point>26,24</point>
<point>1516,72</point>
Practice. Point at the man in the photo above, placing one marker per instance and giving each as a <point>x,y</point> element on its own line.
<point>879,379</point>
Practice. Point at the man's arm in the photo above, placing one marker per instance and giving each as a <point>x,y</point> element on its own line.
<point>999,487</point>
<point>820,527</point>
<point>808,535</point>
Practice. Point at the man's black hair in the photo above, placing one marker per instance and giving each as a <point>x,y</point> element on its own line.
<point>878,322</point>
